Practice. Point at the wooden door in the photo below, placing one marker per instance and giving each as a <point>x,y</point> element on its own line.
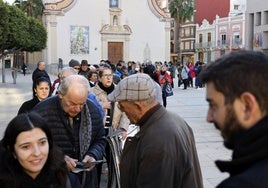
<point>115,51</point>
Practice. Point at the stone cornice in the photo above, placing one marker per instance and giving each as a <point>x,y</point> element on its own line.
<point>162,14</point>
<point>58,7</point>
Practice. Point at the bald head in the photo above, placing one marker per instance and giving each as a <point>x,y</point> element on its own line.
<point>74,83</point>
<point>73,92</point>
<point>67,71</point>
<point>41,65</point>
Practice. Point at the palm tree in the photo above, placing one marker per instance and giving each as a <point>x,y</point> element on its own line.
<point>180,10</point>
<point>33,8</point>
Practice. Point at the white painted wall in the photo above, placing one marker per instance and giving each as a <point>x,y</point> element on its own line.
<point>257,5</point>
<point>146,29</point>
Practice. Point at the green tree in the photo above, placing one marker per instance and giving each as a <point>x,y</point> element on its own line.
<point>4,30</point>
<point>37,36</point>
<point>180,10</point>
<point>19,32</point>
<point>14,26</point>
<point>32,8</point>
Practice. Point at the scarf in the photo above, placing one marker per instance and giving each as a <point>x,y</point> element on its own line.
<point>108,90</point>
<point>109,116</point>
<point>249,149</point>
<point>85,131</point>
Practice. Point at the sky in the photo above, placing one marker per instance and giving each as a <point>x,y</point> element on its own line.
<point>9,1</point>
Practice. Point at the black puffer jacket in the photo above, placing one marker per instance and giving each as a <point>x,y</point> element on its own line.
<point>57,120</point>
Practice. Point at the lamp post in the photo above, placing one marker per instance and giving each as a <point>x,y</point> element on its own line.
<point>3,69</point>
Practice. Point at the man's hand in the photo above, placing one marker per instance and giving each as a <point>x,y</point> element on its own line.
<point>70,162</point>
<point>106,105</point>
<point>124,134</point>
<point>89,159</point>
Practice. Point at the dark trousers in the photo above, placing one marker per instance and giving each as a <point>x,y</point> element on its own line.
<point>190,82</point>
<point>185,83</point>
<point>164,98</point>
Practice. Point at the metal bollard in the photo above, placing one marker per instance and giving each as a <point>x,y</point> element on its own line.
<point>14,76</point>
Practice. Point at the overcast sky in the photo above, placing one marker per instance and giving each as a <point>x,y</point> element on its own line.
<point>9,1</point>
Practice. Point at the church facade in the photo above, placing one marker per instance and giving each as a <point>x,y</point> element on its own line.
<point>107,29</point>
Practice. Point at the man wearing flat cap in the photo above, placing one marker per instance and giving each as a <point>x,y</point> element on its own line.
<point>163,152</point>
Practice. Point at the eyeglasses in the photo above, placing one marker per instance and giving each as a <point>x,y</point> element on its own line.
<point>107,76</point>
<point>77,68</point>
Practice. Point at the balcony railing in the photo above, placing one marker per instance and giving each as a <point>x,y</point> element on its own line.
<point>204,45</point>
<point>223,43</point>
<point>237,43</point>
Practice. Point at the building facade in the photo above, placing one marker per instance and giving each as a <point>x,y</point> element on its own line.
<point>230,34</point>
<point>205,42</point>
<point>224,35</point>
<point>257,25</point>
<point>187,43</point>
<point>110,29</point>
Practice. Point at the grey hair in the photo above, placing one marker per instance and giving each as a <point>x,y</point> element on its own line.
<point>72,79</point>
<point>69,69</point>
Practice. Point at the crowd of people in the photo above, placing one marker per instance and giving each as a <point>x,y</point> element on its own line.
<point>68,122</point>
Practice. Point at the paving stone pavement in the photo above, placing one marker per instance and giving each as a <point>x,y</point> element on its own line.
<point>189,104</point>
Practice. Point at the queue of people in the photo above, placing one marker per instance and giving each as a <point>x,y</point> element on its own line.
<point>51,134</point>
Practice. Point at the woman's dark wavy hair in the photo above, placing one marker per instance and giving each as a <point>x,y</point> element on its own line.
<point>10,167</point>
<point>38,81</point>
<point>239,72</point>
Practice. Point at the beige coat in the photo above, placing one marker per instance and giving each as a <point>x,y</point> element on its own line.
<point>120,119</point>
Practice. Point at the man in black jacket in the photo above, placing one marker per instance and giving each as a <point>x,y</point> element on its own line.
<point>163,152</point>
<point>76,125</point>
<point>40,71</point>
<point>238,106</point>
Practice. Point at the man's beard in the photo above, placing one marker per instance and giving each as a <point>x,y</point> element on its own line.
<point>231,129</point>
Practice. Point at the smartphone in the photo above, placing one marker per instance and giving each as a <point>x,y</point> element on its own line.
<point>83,165</point>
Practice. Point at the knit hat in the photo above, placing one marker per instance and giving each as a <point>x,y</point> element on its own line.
<point>74,63</point>
<point>136,87</point>
<point>84,62</point>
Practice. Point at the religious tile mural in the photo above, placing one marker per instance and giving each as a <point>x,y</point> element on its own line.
<point>79,40</point>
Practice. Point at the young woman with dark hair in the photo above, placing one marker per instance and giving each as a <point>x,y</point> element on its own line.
<point>28,157</point>
<point>41,88</point>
